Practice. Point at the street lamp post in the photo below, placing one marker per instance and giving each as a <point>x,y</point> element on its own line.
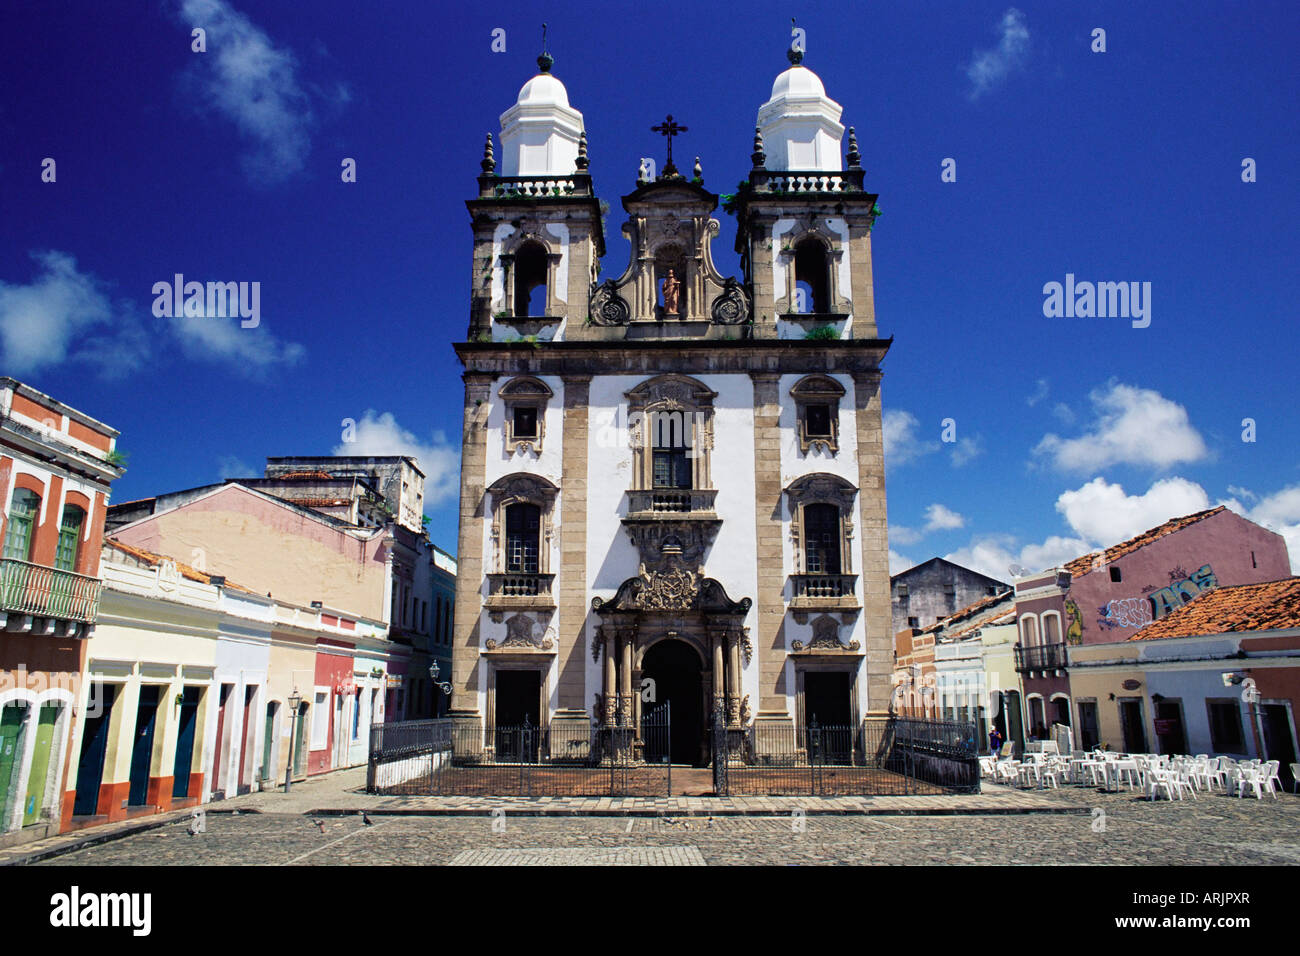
<point>295,701</point>
<point>444,686</point>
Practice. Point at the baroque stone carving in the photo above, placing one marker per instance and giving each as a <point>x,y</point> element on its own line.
<point>826,636</point>
<point>746,646</point>
<point>745,713</point>
<point>732,306</point>
<point>607,306</point>
<point>519,633</point>
<point>673,589</point>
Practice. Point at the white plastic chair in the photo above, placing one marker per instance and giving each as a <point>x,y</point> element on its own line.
<point>1295,776</point>
<point>1272,781</point>
<point>1250,778</point>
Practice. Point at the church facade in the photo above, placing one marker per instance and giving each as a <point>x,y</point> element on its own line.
<point>672,485</point>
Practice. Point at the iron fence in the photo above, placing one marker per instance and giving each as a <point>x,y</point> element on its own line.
<point>440,758</point>
<point>887,756</point>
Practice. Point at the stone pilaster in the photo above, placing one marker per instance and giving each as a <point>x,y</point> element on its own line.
<point>572,601</point>
<point>874,538</point>
<point>469,551</point>
<point>769,602</point>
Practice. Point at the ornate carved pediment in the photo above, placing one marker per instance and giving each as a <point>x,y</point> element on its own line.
<point>826,637</point>
<point>679,540</point>
<point>519,633</point>
<point>522,486</point>
<point>670,391</point>
<point>822,488</point>
<point>677,589</point>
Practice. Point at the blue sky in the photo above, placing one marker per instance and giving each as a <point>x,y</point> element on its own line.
<point>1071,433</point>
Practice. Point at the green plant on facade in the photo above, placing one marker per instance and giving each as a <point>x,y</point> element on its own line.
<point>823,333</point>
<point>117,459</point>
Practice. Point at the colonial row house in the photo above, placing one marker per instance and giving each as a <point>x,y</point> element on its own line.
<point>1007,660</point>
<point>56,468</point>
<point>191,682</point>
<point>672,478</point>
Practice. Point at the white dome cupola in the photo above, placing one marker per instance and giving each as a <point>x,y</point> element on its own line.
<point>800,123</point>
<point>539,134</point>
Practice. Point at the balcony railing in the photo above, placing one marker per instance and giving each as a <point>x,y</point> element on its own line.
<point>534,187</point>
<point>671,501</point>
<point>520,590</point>
<point>815,182</point>
<point>1040,657</point>
<point>41,591</point>
<point>821,587</point>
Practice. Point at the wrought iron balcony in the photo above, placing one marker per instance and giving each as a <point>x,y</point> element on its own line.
<point>1040,657</point>
<point>824,590</point>
<point>42,591</point>
<point>674,502</point>
<point>515,590</point>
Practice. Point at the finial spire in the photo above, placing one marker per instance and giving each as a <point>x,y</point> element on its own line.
<point>489,163</point>
<point>854,157</point>
<point>758,156</point>
<point>545,61</point>
<point>698,171</point>
<point>581,161</point>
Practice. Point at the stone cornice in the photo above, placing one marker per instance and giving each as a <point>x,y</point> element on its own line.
<point>783,356</point>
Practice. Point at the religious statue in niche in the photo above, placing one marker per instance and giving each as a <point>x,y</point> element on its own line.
<point>672,294</point>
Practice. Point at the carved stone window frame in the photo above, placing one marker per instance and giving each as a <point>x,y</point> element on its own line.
<point>817,389</point>
<point>525,488</point>
<point>531,233</point>
<point>814,228</point>
<point>524,391</point>
<point>821,488</point>
<point>671,393</point>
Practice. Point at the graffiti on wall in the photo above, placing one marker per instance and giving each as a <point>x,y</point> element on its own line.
<point>1074,632</point>
<point>1155,603</point>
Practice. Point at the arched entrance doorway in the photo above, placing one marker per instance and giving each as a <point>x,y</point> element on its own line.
<point>675,669</point>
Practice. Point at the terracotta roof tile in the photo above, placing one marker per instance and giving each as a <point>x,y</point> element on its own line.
<point>970,610</point>
<point>1268,606</point>
<point>1082,565</point>
<point>151,559</point>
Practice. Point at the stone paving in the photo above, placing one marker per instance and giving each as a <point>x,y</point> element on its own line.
<point>320,823</point>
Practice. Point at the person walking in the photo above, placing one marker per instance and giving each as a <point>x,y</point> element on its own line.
<point>995,741</point>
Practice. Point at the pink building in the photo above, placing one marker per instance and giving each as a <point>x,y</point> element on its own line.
<point>1108,596</point>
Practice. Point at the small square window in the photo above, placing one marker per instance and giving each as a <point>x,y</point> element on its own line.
<point>913,622</point>
<point>819,421</point>
<point>1115,574</point>
<point>525,421</point>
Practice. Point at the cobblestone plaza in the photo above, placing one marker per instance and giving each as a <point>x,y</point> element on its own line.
<point>1001,826</point>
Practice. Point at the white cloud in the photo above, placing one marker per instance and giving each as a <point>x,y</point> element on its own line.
<point>378,434</point>
<point>989,68</point>
<point>233,467</point>
<point>902,534</point>
<point>250,81</point>
<point>1134,426</point>
<point>898,562</point>
<point>941,518</point>
<point>1242,493</point>
<point>967,450</point>
<point>66,315</point>
<point>996,554</point>
<point>253,350</point>
<point>900,439</point>
<point>1063,412</point>
<point>1040,393</point>
<point>1104,514</point>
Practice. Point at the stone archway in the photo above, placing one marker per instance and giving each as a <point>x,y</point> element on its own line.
<point>675,674</point>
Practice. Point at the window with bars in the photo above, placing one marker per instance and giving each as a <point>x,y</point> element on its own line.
<point>523,528</point>
<point>23,510</point>
<point>822,539</point>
